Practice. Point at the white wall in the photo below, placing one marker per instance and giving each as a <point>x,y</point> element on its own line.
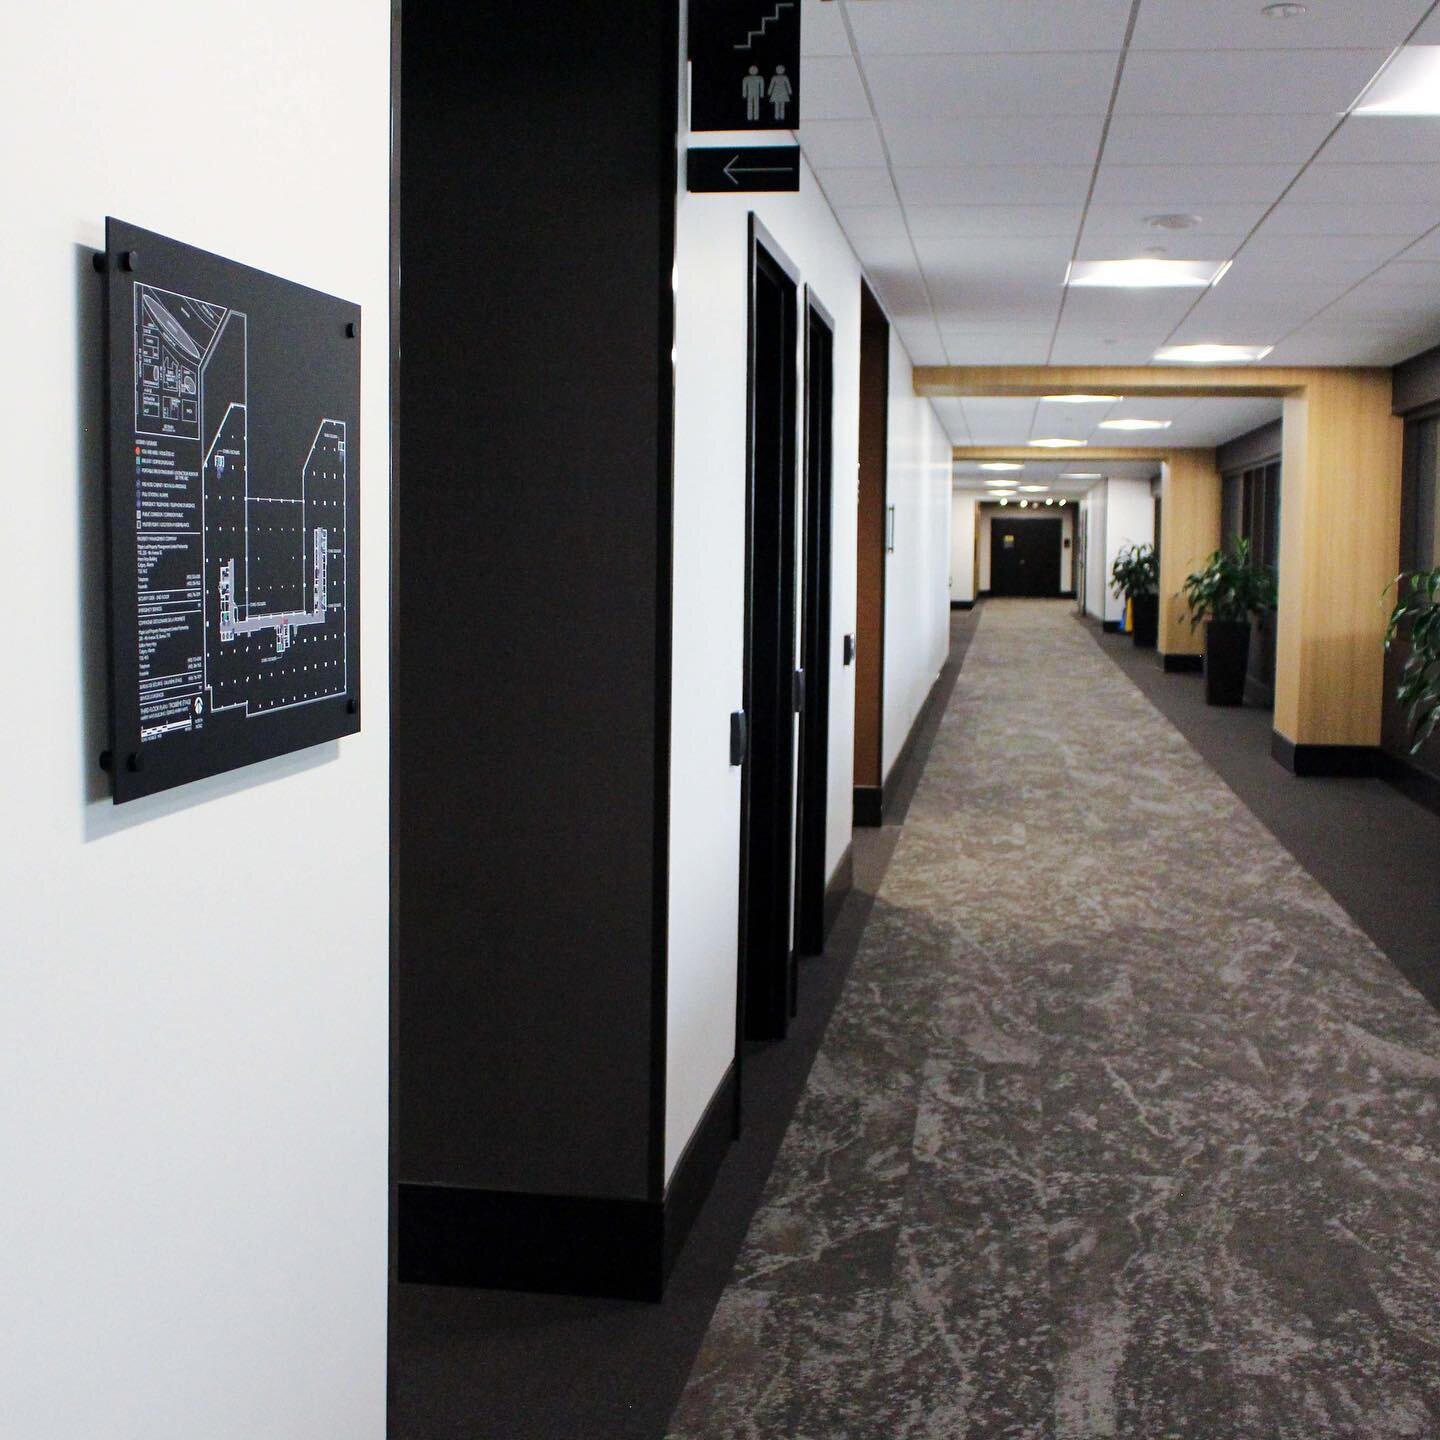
<point>193,1031</point>
<point>709,565</point>
<point>917,570</point>
<point>963,511</point>
<point>1129,520</point>
<point>1097,567</point>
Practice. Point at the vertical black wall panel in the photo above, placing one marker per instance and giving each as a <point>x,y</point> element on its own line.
<point>537,203</point>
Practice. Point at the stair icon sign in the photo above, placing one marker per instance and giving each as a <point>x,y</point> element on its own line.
<point>753,35</point>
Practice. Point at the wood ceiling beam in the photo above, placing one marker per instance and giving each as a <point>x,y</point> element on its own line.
<point>1206,382</point>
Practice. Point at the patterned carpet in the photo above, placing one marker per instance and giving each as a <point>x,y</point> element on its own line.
<point>1121,1127</point>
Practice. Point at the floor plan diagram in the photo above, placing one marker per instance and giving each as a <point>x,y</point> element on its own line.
<point>241,573</point>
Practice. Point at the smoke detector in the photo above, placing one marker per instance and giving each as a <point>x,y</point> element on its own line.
<point>1286,10</point>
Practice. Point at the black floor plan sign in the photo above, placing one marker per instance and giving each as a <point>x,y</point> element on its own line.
<point>233,444</point>
<point>744,64</point>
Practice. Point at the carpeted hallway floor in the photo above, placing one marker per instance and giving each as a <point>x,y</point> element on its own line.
<point>1120,1128</point>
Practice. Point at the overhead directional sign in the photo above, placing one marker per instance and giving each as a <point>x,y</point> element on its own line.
<point>744,64</point>
<point>731,170</point>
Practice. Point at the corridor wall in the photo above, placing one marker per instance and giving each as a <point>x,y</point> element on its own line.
<point>1129,520</point>
<point>194,1029</point>
<point>963,515</point>
<point>989,515</point>
<point>708,591</point>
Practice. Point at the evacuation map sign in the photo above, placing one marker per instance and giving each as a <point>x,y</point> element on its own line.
<point>233,491</point>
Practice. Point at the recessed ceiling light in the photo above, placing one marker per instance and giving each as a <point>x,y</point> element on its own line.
<point>1024,504</point>
<point>1146,273</point>
<point>1285,10</point>
<point>1213,354</point>
<point>1049,502</point>
<point>1035,489</point>
<point>1084,399</point>
<point>1408,85</point>
<point>1172,222</point>
<point>1005,501</point>
<point>1056,444</point>
<point>1003,465</point>
<point>1081,475</point>
<point>1135,424</point>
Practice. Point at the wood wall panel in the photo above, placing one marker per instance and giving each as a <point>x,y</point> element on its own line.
<point>1190,521</point>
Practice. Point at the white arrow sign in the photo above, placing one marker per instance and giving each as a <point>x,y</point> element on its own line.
<point>732,170</point>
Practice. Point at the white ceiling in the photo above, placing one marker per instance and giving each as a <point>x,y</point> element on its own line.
<point>972,148</point>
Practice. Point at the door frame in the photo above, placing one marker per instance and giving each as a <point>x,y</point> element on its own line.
<point>817,505</point>
<point>764,987</point>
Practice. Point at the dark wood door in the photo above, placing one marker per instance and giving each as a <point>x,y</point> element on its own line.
<point>1024,557</point>
<point>815,639</point>
<point>767,810</point>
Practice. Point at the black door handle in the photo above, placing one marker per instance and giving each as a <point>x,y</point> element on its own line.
<point>797,692</point>
<point>739,738</point>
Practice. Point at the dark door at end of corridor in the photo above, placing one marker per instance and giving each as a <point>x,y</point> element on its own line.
<point>1025,557</point>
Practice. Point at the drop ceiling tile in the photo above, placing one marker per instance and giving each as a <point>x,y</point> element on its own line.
<point>822,30</point>
<point>1190,187</point>
<point>940,87</point>
<point>829,144</point>
<point>833,90</point>
<point>1370,140</point>
<point>1324,184</point>
<point>983,255</point>
<point>1271,82</point>
<point>958,221</point>
<point>963,305</point>
<point>1119,310</point>
<point>872,220</point>
<point>1215,139</point>
<point>923,347</point>
<point>901,292</point>
<point>1330,24</point>
<point>885,252</point>
<point>995,185</point>
<point>1080,349</point>
<point>1339,218</point>
<point>1017,348</point>
<point>1426,248</point>
<point>1130,221</point>
<point>995,140</point>
<point>1429,32</point>
<point>1408,274</point>
<point>863,186</point>
<point>1313,254</point>
<point>921,27</point>
<point>1170,245</point>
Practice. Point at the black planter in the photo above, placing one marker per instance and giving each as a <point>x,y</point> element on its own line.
<point>1227,658</point>
<point>1145,615</point>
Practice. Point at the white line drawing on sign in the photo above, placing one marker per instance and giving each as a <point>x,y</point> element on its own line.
<point>781,91</point>
<point>733,170</point>
<point>752,87</point>
<point>765,24</point>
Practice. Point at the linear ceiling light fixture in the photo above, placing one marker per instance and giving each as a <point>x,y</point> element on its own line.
<point>1035,489</point>
<point>1213,354</point>
<point>1003,465</point>
<point>1408,84</point>
<point>1081,475</point>
<point>1146,273</point>
<point>1135,424</point>
<point>1083,399</point>
<point>1058,444</point>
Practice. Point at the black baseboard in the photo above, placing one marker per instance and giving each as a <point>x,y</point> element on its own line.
<point>1410,780</point>
<point>1113,627</point>
<point>869,806</point>
<point>842,882</point>
<point>962,604</point>
<point>982,594</point>
<point>1182,664</point>
<point>1068,595</point>
<point>1364,762</point>
<point>562,1244</point>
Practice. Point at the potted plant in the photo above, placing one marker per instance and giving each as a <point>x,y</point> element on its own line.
<point>1136,575</point>
<point>1416,617</point>
<point>1226,593</point>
